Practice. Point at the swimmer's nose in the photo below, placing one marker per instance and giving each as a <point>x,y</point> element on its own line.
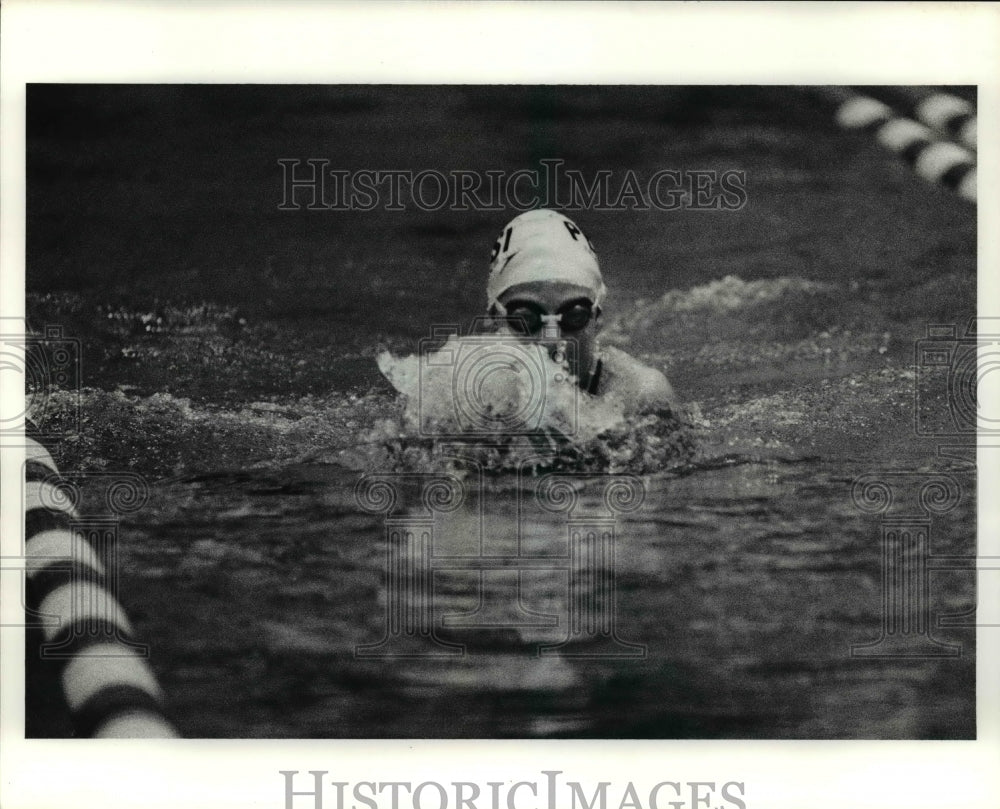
<point>550,329</point>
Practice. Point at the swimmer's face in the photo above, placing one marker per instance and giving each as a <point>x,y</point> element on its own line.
<point>554,297</point>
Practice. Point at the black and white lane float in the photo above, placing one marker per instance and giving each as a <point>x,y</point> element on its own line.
<point>81,637</point>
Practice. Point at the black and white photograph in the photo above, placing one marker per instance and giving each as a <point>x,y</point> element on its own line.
<point>575,411</point>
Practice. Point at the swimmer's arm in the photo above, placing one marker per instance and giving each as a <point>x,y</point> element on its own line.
<point>642,387</point>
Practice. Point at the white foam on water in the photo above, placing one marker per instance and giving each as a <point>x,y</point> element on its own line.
<point>496,387</point>
<point>723,296</point>
<point>162,434</point>
<point>508,404</point>
<point>725,320</point>
<point>511,405</point>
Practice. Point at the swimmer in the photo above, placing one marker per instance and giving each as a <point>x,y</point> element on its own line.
<point>545,285</point>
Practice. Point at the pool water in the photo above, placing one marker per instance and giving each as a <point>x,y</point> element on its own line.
<point>230,359</point>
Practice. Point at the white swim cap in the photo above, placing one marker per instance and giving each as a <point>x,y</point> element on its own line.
<point>543,245</point>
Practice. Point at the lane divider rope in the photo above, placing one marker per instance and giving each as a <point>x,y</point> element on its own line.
<point>939,161</point>
<point>951,116</point>
<point>107,684</point>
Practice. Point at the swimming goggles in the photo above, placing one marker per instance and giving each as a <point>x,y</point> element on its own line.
<point>570,317</point>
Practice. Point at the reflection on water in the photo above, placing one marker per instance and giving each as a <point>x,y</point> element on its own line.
<point>728,608</point>
<point>549,565</point>
<point>230,359</point>
<point>663,579</point>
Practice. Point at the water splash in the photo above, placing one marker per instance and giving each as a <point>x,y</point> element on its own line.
<point>737,309</point>
<point>506,406</point>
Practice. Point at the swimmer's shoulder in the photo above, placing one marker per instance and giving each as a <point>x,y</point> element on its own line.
<point>634,382</point>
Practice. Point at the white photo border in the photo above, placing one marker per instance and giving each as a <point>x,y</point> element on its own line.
<point>578,43</point>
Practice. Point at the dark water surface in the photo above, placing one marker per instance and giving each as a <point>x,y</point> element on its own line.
<point>229,358</point>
